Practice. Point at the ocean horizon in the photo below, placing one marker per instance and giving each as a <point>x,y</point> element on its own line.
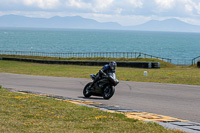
<point>173,45</point>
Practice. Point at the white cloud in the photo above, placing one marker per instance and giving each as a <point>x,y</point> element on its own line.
<point>103,4</point>
<point>78,4</point>
<point>177,8</point>
<point>135,3</point>
<point>93,6</point>
<point>165,4</point>
<point>191,21</point>
<point>126,12</point>
<point>188,8</point>
<point>192,7</point>
<point>43,4</point>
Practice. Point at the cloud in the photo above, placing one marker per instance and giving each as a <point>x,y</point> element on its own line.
<point>192,7</point>
<point>175,9</point>
<point>78,4</point>
<point>128,10</point>
<point>43,4</point>
<point>89,5</point>
<point>165,4</point>
<point>135,3</point>
<point>28,5</point>
<point>125,7</point>
<point>102,5</point>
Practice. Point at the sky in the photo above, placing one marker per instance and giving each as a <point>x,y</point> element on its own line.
<point>124,12</point>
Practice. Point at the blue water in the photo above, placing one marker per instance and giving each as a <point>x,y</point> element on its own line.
<point>163,44</point>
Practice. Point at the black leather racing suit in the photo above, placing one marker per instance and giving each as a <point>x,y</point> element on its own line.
<point>103,72</point>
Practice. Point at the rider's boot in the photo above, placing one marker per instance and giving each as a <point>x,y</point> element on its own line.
<point>92,85</point>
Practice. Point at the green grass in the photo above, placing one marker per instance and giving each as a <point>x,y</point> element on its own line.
<point>30,113</point>
<point>162,63</point>
<point>175,74</point>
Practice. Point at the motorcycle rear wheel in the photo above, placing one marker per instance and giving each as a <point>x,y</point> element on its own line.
<point>108,92</point>
<point>86,91</point>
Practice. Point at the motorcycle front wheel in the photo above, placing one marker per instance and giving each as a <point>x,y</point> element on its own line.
<point>108,92</point>
<point>86,91</point>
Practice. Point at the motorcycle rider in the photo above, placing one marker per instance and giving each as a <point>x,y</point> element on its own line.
<point>108,68</point>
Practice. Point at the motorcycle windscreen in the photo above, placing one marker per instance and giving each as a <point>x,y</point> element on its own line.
<point>113,78</point>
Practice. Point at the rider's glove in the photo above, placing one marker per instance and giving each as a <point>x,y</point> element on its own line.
<point>102,73</point>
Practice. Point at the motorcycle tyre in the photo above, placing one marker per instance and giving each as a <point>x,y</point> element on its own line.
<point>111,93</point>
<point>87,95</point>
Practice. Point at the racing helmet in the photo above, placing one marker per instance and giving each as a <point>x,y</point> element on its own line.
<point>112,65</point>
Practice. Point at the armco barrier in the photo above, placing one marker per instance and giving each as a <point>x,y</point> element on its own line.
<point>198,64</point>
<point>90,63</point>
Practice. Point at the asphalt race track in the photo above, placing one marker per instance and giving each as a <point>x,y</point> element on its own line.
<point>180,101</point>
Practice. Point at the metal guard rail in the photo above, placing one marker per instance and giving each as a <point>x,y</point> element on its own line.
<point>194,60</point>
<point>86,54</point>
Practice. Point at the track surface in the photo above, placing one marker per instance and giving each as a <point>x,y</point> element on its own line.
<point>180,101</point>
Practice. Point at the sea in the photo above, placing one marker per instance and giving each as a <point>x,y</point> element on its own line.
<point>173,45</point>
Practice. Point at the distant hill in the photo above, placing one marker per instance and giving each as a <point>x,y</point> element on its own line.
<point>77,22</point>
<point>173,25</point>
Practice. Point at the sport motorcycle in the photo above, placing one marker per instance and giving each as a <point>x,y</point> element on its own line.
<point>104,87</point>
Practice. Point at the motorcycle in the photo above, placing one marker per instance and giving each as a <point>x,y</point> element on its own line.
<point>104,87</point>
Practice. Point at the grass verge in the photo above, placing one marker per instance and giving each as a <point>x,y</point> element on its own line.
<point>163,64</point>
<point>30,113</point>
<point>176,74</point>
